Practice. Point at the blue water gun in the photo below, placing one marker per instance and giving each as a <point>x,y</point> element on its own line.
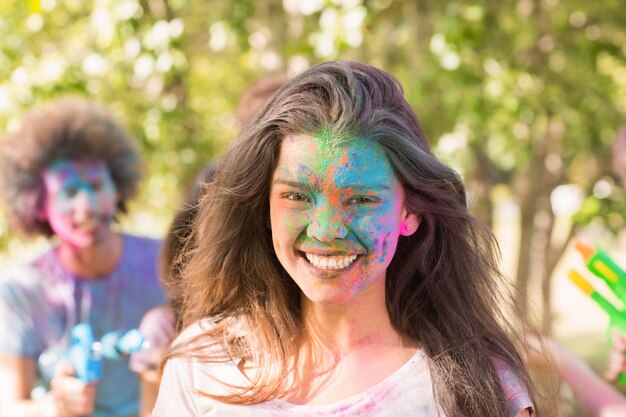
<point>86,354</point>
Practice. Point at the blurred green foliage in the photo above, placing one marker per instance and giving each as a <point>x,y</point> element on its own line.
<point>523,94</point>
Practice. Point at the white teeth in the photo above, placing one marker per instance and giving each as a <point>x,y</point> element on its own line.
<point>330,262</point>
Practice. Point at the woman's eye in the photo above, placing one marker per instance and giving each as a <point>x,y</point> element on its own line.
<point>297,197</point>
<point>361,200</point>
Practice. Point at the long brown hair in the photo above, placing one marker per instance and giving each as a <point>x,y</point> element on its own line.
<point>444,289</point>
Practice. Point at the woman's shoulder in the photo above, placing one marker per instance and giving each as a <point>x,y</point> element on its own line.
<point>195,330</point>
<point>200,340</point>
<point>514,387</point>
<point>202,362</point>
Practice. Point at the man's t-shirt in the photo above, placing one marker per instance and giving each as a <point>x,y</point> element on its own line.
<point>41,301</point>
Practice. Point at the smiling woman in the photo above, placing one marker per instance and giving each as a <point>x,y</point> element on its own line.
<point>336,271</point>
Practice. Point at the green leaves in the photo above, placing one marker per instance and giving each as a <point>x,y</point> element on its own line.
<point>506,88</point>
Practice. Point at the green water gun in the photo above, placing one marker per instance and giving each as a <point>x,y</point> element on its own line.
<point>601,265</point>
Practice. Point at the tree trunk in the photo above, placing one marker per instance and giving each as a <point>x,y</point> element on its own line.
<point>539,251</point>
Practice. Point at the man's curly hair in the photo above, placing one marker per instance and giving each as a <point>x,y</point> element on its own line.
<point>68,128</point>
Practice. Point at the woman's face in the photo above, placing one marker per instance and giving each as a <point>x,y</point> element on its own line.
<point>80,201</point>
<point>336,213</point>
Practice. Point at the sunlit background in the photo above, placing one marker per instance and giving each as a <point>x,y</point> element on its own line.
<point>523,97</point>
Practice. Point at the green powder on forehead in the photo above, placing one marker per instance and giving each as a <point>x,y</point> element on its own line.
<point>332,146</point>
<point>330,142</point>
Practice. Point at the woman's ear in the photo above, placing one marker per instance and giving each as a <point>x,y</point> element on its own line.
<point>409,224</point>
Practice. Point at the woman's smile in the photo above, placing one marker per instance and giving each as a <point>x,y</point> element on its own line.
<point>331,262</point>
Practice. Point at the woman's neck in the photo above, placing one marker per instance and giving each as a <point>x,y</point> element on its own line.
<point>362,324</point>
<point>346,349</point>
<point>95,261</point>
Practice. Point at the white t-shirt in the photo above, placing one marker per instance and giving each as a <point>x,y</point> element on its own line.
<point>407,392</point>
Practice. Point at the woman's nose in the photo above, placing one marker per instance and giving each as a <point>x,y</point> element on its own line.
<point>328,223</point>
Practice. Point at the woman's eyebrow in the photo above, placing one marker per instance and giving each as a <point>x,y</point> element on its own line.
<point>366,186</point>
<point>295,184</point>
<point>314,187</point>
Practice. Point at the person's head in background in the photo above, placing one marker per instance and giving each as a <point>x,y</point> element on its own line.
<point>255,96</point>
<point>619,155</point>
<point>61,149</point>
<point>173,256</point>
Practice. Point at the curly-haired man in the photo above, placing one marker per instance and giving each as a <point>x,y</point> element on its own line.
<point>66,173</point>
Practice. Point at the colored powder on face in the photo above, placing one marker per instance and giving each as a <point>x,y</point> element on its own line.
<point>346,198</point>
<point>332,147</point>
<point>333,142</point>
<point>80,200</point>
<point>329,141</point>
